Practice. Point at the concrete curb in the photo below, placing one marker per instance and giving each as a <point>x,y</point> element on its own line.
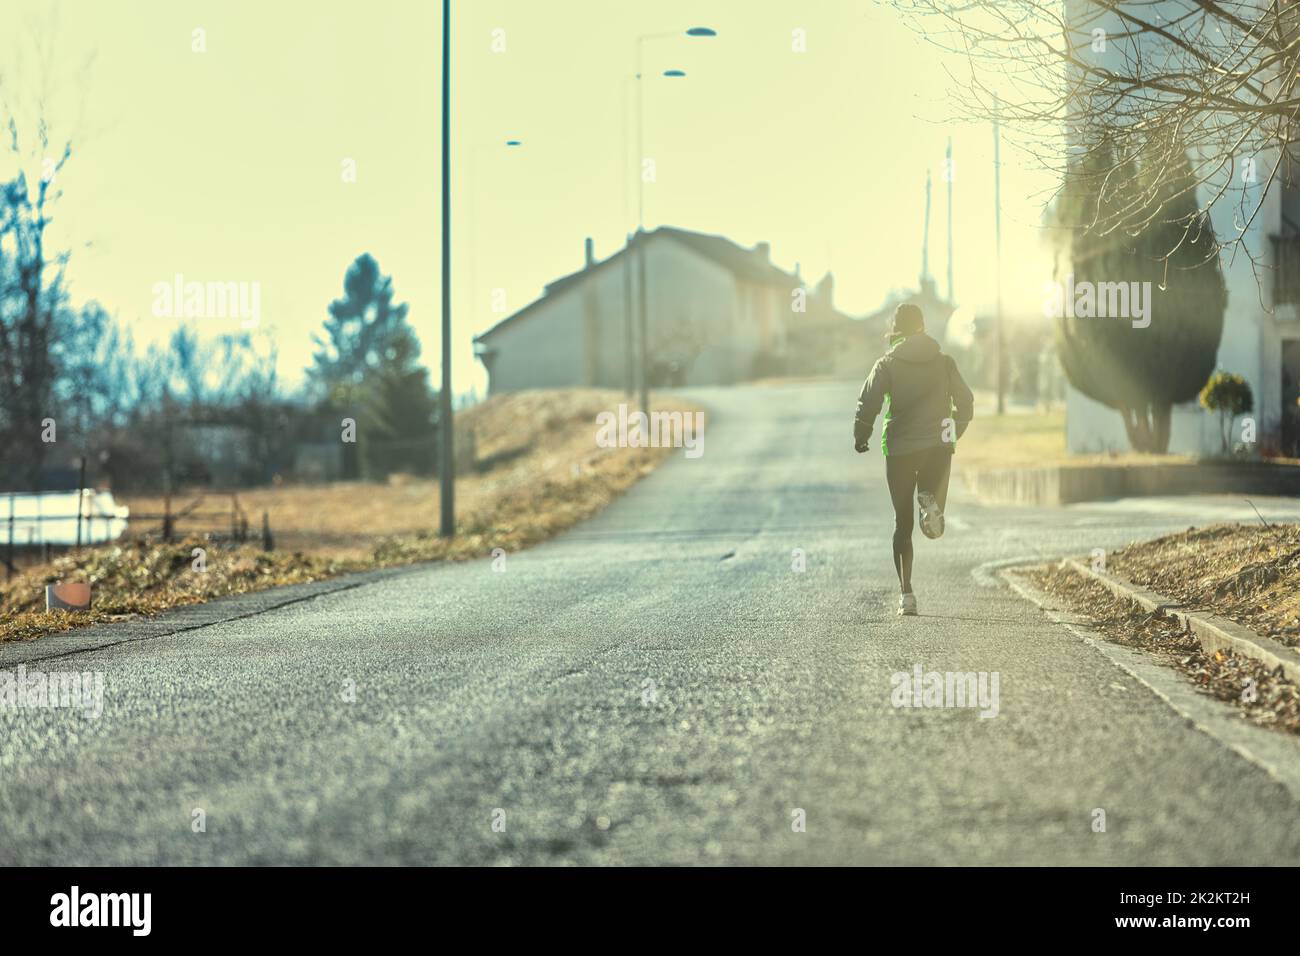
<point>190,617</point>
<point>1278,754</point>
<point>1068,483</point>
<point>1215,633</point>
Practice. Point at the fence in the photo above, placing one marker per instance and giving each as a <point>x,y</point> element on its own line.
<point>71,519</point>
<point>170,523</point>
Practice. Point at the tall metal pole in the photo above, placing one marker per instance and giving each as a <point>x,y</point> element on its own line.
<point>446,457</point>
<point>640,203</point>
<point>997,246</point>
<point>644,376</point>
<point>629,349</point>
<point>81,497</point>
<point>925,236</point>
<point>950,175</point>
<point>645,335</point>
<point>640,137</point>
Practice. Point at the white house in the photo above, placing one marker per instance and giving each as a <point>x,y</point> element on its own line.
<point>716,313</point>
<point>1261,335</point>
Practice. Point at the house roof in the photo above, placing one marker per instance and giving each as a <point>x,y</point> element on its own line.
<point>751,264</point>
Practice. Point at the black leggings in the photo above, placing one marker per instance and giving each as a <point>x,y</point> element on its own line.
<point>907,474</point>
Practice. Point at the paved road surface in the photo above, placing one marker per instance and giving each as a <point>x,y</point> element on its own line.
<point>658,686</point>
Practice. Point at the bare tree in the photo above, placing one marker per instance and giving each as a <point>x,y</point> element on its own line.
<point>1130,79</point>
<point>33,298</point>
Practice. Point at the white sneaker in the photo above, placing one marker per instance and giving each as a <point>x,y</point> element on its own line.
<point>931,515</point>
<point>907,605</point>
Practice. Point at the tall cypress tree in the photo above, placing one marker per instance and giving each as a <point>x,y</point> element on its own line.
<point>1137,220</point>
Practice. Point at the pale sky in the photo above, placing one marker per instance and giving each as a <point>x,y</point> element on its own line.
<point>227,165</point>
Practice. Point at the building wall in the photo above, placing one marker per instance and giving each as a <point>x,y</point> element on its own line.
<point>541,350</point>
<point>1091,428</point>
<point>1251,342</point>
<point>1279,327</point>
<point>698,316</point>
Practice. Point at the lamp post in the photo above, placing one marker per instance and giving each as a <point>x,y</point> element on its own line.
<point>446,445</point>
<point>997,255</point>
<point>480,151</point>
<point>640,199</point>
<point>629,351</point>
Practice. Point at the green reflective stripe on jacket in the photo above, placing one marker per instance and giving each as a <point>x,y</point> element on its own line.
<point>884,428</point>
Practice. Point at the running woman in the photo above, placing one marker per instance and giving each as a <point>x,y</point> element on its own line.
<point>928,406</point>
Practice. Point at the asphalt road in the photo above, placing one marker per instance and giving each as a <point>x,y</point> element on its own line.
<point>660,685</point>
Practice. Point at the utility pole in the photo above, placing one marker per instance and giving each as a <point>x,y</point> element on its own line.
<point>642,321</point>
<point>950,174</point>
<point>81,499</point>
<point>644,377</point>
<point>629,350</point>
<point>629,347</point>
<point>925,236</point>
<point>446,444</point>
<point>997,247</point>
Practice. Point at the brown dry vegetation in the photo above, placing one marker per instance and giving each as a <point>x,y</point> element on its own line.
<point>1036,439</point>
<point>1260,695</point>
<point>1247,573</point>
<point>1013,440</point>
<point>539,473</point>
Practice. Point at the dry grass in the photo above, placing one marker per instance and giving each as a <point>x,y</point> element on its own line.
<point>143,577</point>
<point>1031,436</point>
<point>526,442</point>
<point>1020,438</point>
<point>1260,695</point>
<point>1247,573</point>
<point>542,474</point>
<point>1023,438</point>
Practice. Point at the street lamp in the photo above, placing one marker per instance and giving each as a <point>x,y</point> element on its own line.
<point>446,443</point>
<point>640,198</point>
<point>479,154</point>
<point>446,446</point>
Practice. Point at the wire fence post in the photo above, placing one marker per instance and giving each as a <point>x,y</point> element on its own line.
<point>9,571</point>
<point>81,498</point>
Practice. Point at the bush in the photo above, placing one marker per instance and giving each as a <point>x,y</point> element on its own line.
<point>1227,395</point>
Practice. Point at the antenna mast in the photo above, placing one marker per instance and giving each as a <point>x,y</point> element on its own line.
<point>925,241</point>
<point>950,175</point>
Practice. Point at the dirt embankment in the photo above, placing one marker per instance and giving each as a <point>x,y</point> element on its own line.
<point>539,471</point>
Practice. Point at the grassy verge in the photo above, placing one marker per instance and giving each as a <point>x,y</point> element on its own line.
<point>1026,436</point>
<point>1017,438</point>
<point>1247,573</point>
<point>1259,695</point>
<point>540,472</point>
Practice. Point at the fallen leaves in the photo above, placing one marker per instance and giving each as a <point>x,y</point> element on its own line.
<point>1262,696</point>
<point>1244,572</point>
